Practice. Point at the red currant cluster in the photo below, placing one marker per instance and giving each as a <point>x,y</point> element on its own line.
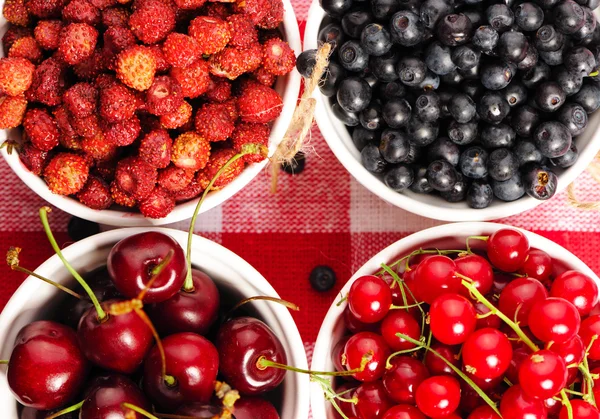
<point>450,333</point>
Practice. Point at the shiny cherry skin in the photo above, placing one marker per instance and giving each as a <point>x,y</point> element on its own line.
<point>507,249</point>
<point>194,363</point>
<point>487,353</point>
<point>347,408</point>
<point>554,320</point>
<point>106,395</point>
<point>543,374</point>
<point>400,321</point>
<point>119,343</point>
<point>402,380</point>
<point>373,401</point>
<point>437,366</point>
<point>519,296</point>
<point>130,264</point>
<point>581,410</point>
<point>188,311</point>
<point>438,396</point>
<point>241,343</point>
<point>516,404</point>
<point>403,411</point>
<point>366,344</point>
<point>501,280</point>
<point>46,368</point>
<point>589,328</point>
<point>354,325</point>
<point>492,321</point>
<point>520,354</point>
<point>369,299</point>
<point>29,413</point>
<point>553,407</point>
<point>538,265</point>
<point>200,410</point>
<point>254,408</point>
<point>397,298</point>
<point>483,412</point>
<point>577,288</point>
<point>486,384</point>
<point>572,351</point>
<point>435,276</point>
<point>453,319</point>
<point>338,353</point>
<point>478,269</point>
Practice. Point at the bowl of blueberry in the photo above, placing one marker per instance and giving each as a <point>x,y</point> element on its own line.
<point>472,320</point>
<point>459,111</point>
<point>132,326</point>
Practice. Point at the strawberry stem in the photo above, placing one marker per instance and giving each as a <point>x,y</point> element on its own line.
<point>67,410</point>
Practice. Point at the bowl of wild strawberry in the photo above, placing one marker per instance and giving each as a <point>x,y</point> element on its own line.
<point>459,111</point>
<point>148,328</point>
<point>120,112</point>
<point>466,320</point>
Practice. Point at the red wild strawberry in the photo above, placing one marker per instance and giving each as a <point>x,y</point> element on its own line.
<point>27,48</point>
<point>117,103</point>
<point>155,148</point>
<point>122,133</point>
<point>175,179</point>
<point>106,169</point>
<point>105,80</point>
<point>189,4</point>
<point>231,106</point>
<point>164,96</point>
<point>116,39</point>
<point>194,189</point>
<point>158,204</point>
<point>152,21</point>
<point>87,127</point>
<point>95,194</point>
<point>233,62</point>
<point>178,118</point>
<point>98,147</point>
<point>66,173</point>
<point>63,122</point>
<point>243,32</point>
<point>250,133</point>
<point>255,10</point>
<point>41,129</point>
<point>278,58</point>
<point>81,11</point>
<point>259,103</point>
<point>136,177</point>
<point>136,67</point>
<point>103,4</point>
<point>16,13</point>
<point>81,99</point>
<point>162,65</point>
<point>193,79</point>
<point>211,33</point>
<point>214,122</point>
<point>115,16</point>
<point>12,110</point>
<point>77,42</point>
<point>218,10</point>
<point>190,151</point>
<point>70,143</point>
<point>274,16</point>
<point>33,158</point>
<point>48,83</point>
<point>120,196</point>
<point>16,75</point>
<point>218,160</point>
<point>181,50</point>
<point>47,33</point>
<point>45,8</point>
<point>219,89</point>
<point>12,34</point>
<point>264,77</point>
<point>91,68</point>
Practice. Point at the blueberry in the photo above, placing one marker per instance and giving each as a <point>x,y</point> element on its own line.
<point>586,33</point>
<point>352,56</point>
<point>462,134</point>
<point>536,75</point>
<point>433,10</point>
<point>414,155</point>
<point>500,17</point>
<point>479,195</point>
<point>394,146</point>
<point>529,16</point>
<point>361,137</point>
<point>553,58</point>
<point>568,17</point>
<point>399,178</point>
<point>322,278</point>
<point>539,181</point>
<point>384,66</point>
<point>574,117</point>
<point>384,9</point>
<point>497,136</point>
<point>411,71</point>
<point>406,29</point>
<point>354,22</point>
<point>370,78</point>
<point>552,138</point>
<point>475,16</point>
<point>588,97</point>
<point>438,58</point>
<point>530,60</point>
<point>427,107</point>
<point>453,78</point>
<point>465,57</point>
<point>527,152</point>
<point>502,164</point>
<point>422,133</point>
<point>515,94</point>
<point>396,112</point>
<point>372,159</point>
<point>568,159</point>
<point>420,183</point>
<point>331,79</point>
<point>524,120</point>
<point>454,29</point>
<point>496,75</point>
<point>391,90</point>
<point>473,162</point>
<point>486,38</point>
<point>458,191</point>
<point>443,149</point>
<point>336,8</point>
<point>348,118</point>
<point>509,190</point>
<point>492,107</point>
<point>441,175</point>
<point>306,62</point>
<point>549,96</point>
<point>547,38</point>
<point>580,60</point>
<point>354,94</point>
<point>79,229</point>
<point>472,73</point>
<point>430,82</point>
<point>333,34</point>
<point>547,4</point>
<point>462,108</point>
<point>472,88</point>
<point>296,166</point>
<point>375,39</point>
<point>513,46</point>
<point>445,96</point>
<point>569,82</point>
<point>371,117</point>
<point>592,4</point>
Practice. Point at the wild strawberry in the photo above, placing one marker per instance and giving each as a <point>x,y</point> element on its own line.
<point>158,204</point>
<point>70,143</point>
<point>189,4</point>
<point>90,68</point>
<point>274,16</point>
<point>87,127</point>
<point>214,122</point>
<point>41,129</point>
<point>191,191</point>
<point>162,65</point>
<point>81,11</point>
<point>16,13</point>
<point>47,33</point>
<point>181,50</point>
<point>77,42</point>
<point>219,89</point>
<point>259,103</point>
<point>243,32</point>
<point>63,122</point>
<point>255,10</point>
<point>45,8</point>
<point>190,151</point>
<point>217,161</point>
<point>120,196</point>
<point>136,67</point>
<point>103,4</point>
<point>116,39</point>
<point>81,99</point>
<point>33,158</point>
<point>250,133</point>
<point>156,148</point>
<point>98,147</point>
<point>106,168</point>
<point>264,77</point>
<point>211,33</point>
<point>265,34</point>
<point>178,118</point>
<point>193,79</point>
<point>217,9</point>
<point>164,96</point>
<point>136,177</point>
<point>278,58</point>
<point>16,75</point>
<point>26,48</point>
<point>175,179</point>
<point>122,133</point>
<point>231,106</point>
<point>66,173</point>
<point>149,122</point>
<point>117,103</point>
<point>233,62</point>
<point>95,194</point>
<point>48,83</point>
<point>105,80</point>
<point>152,21</point>
<point>12,34</point>
<point>115,16</point>
<point>12,110</point>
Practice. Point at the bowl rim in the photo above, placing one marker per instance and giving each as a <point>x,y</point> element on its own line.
<point>289,84</point>
<point>333,131</point>
<point>323,345</point>
<point>201,249</point>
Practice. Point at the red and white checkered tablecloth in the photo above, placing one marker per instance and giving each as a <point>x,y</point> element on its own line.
<point>321,216</point>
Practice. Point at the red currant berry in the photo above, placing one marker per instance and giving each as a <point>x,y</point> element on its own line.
<point>484,412</point>
<point>435,276</point>
<point>590,327</point>
<point>438,396</point>
<point>554,320</point>
<point>492,321</point>
<point>373,402</point>
<point>403,411</point>
<point>515,340</point>
<point>402,380</point>
<point>516,404</point>
<point>508,249</point>
<point>469,399</point>
<point>368,346</point>
<point>354,325</point>
<point>519,355</point>
<point>538,265</point>
<point>581,410</point>
<point>479,270</point>
<point>397,298</point>
<point>596,383</point>
<point>486,384</point>
<point>552,407</point>
<point>519,296</point>
<point>577,288</point>
<point>347,407</point>
<point>400,321</point>
<point>369,299</point>
<point>487,353</point>
<point>501,280</point>
<point>337,355</point>
<point>453,318</point>
<point>437,366</point>
<point>543,374</point>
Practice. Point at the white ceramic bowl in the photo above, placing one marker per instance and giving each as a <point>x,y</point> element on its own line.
<point>339,140</point>
<point>35,300</point>
<point>288,87</point>
<point>447,236</point>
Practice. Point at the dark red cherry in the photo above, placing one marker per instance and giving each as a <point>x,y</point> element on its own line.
<point>501,280</point>
<point>487,353</point>
<point>254,408</point>
<point>354,325</point>
<point>435,276</point>
<point>590,327</point>
<point>373,401</point>
<point>75,308</point>
<point>519,296</point>
<point>543,374</point>
<point>397,298</point>
<point>242,342</point>
<point>483,412</point>
<point>131,261</point>
<point>554,320</point>
<point>401,381</point>
<point>553,407</point>
<point>438,396</point>
<point>366,345</point>
<point>581,410</point>
<point>507,249</point>
<point>437,366</point>
<point>520,354</point>
<point>338,353</point>
<point>106,395</point>
<point>118,343</point>
<point>29,413</point>
<point>453,319</point>
<point>479,270</point>
<point>400,321</point>
<point>348,389</point>
<point>46,368</point>
<point>492,321</point>
<point>200,410</point>
<point>577,288</point>
<point>403,411</point>
<point>369,299</point>
<point>188,311</point>
<point>538,265</point>
<point>486,384</point>
<point>516,404</point>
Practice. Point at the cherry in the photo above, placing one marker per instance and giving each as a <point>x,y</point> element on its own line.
<point>484,412</point>
<point>241,343</point>
<point>516,404</point>
<point>348,390</point>
<point>453,318</point>
<point>106,396</point>
<point>403,411</point>
<point>436,365</point>
<point>354,325</point>
<point>188,311</point>
<point>369,299</point>
<point>572,351</point>
<point>397,298</point>
<point>543,374</point>
<point>492,320</point>
<point>508,249</point>
<point>29,413</point>
<point>438,396</point>
<point>486,384</point>
<point>192,364</point>
<point>201,410</point>
<point>337,355</point>
<point>519,296</point>
<point>487,353</point>
<point>554,320</point>
<point>469,399</point>
<point>553,407</point>
<point>132,260</point>
<point>590,327</point>
<point>577,288</point>
<point>519,355</point>
<point>401,381</point>
<point>400,321</point>
<point>501,280</point>
<point>514,338</point>
<point>254,408</point>
<point>538,265</point>
<point>435,276</point>
<point>373,401</point>
<point>46,368</point>
<point>581,410</point>
<point>478,269</point>
<point>370,347</point>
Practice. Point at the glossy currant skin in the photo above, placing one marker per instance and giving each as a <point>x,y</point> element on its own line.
<point>130,264</point>
<point>369,299</point>
<point>577,288</point>
<point>366,344</point>
<point>478,269</point>
<point>188,311</point>
<point>483,412</point>
<point>507,249</point>
<point>400,321</point>
<point>515,404</point>
<point>581,410</point>
<point>453,319</point>
<point>354,325</point>
<point>403,411</point>
<point>487,353</point>
<point>435,365</point>
<point>438,396</point>
<point>589,328</point>
<point>519,355</point>
<point>46,368</point>
<point>554,320</point>
<point>543,374</point>
<point>519,296</point>
<point>492,321</point>
<point>538,265</point>
<point>435,276</point>
<point>402,380</point>
<point>373,401</point>
<point>106,395</point>
<point>337,354</point>
<point>254,408</point>
<point>571,351</point>
<point>241,342</point>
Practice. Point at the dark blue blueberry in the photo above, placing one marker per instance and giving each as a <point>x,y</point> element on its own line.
<point>530,60</point>
<point>354,94</point>
<point>415,153</point>
<point>336,8</point>
<point>375,39</point>
<point>586,33</point>
<point>552,138</point>
<point>322,278</point>
<point>465,57</point>
<point>391,90</point>
<point>443,149</point>
<point>568,17</point>
<point>588,97</point>
<point>527,152</point>
<point>438,58</point>
<point>515,94</point>
<point>458,192</point>
<point>420,183</point>
<point>333,34</point>
<point>497,136</point>
<point>348,118</point>
<point>473,162</point>
<point>406,29</point>
<point>568,159</point>
<point>509,190</point>
<point>496,75</point>
<point>372,159</point>
<point>445,94</point>
<point>352,56</point>
<point>411,71</point>
<point>430,82</point>
<point>331,79</point>
<point>462,134</point>
<point>524,120</point>
<point>370,78</point>
<point>472,88</point>
<point>486,39</point>
<point>472,73</point>
<point>396,112</point>
<point>384,66</point>
<point>394,146</point>
<point>441,175</point>
<point>453,78</point>
<point>422,133</point>
<point>549,96</point>
<point>79,229</point>
<point>296,166</point>
<point>502,164</point>
<point>547,4</point>
<point>361,137</point>
<point>475,16</point>
<point>354,22</point>
<point>454,29</point>
<point>580,60</point>
<point>554,58</point>
<point>433,10</point>
<point>399,178</point>
<point>306,62</point>
<point>592,4</point>
<point>427,107</point>
<point>500,17</point>
<point>547,38</point>
<point>462,108</point>
<point>371,117</point>
<point>492,107</point>
<point>529,16</point>
<point>479,195</point>
<point>384,9</point>
<point>574,117</point>
<point>539,182</point>
<point>513,46</point>
<point>569,82</point>
<point>539,73</point>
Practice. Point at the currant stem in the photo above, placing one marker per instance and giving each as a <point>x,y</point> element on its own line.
<point>393,307</point>
<point>138,410</point>
<point>331,396</point>
<point>287,304</point>
<point>484,238</point>
<point>388,363</point>
<point>403,287</point>
<point>566,402</point>
<point>420,252</point>
<point>67,410</point>
<point>44,217</point>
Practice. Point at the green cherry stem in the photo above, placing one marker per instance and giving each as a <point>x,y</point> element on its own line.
<point>404,287</point>
<point>44,217</point>
<point>3,361</point>
<point>420,252</point>
<point>284,303</point>
<point>263,363</point>
<point>566,402</point>
<point>138,410</point>
<point>588,379</point>
<point>67,410</point>
<point>388,362</point>
<point>483,238</point>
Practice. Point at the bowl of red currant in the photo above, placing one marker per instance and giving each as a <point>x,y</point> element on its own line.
<point>467,320</point>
